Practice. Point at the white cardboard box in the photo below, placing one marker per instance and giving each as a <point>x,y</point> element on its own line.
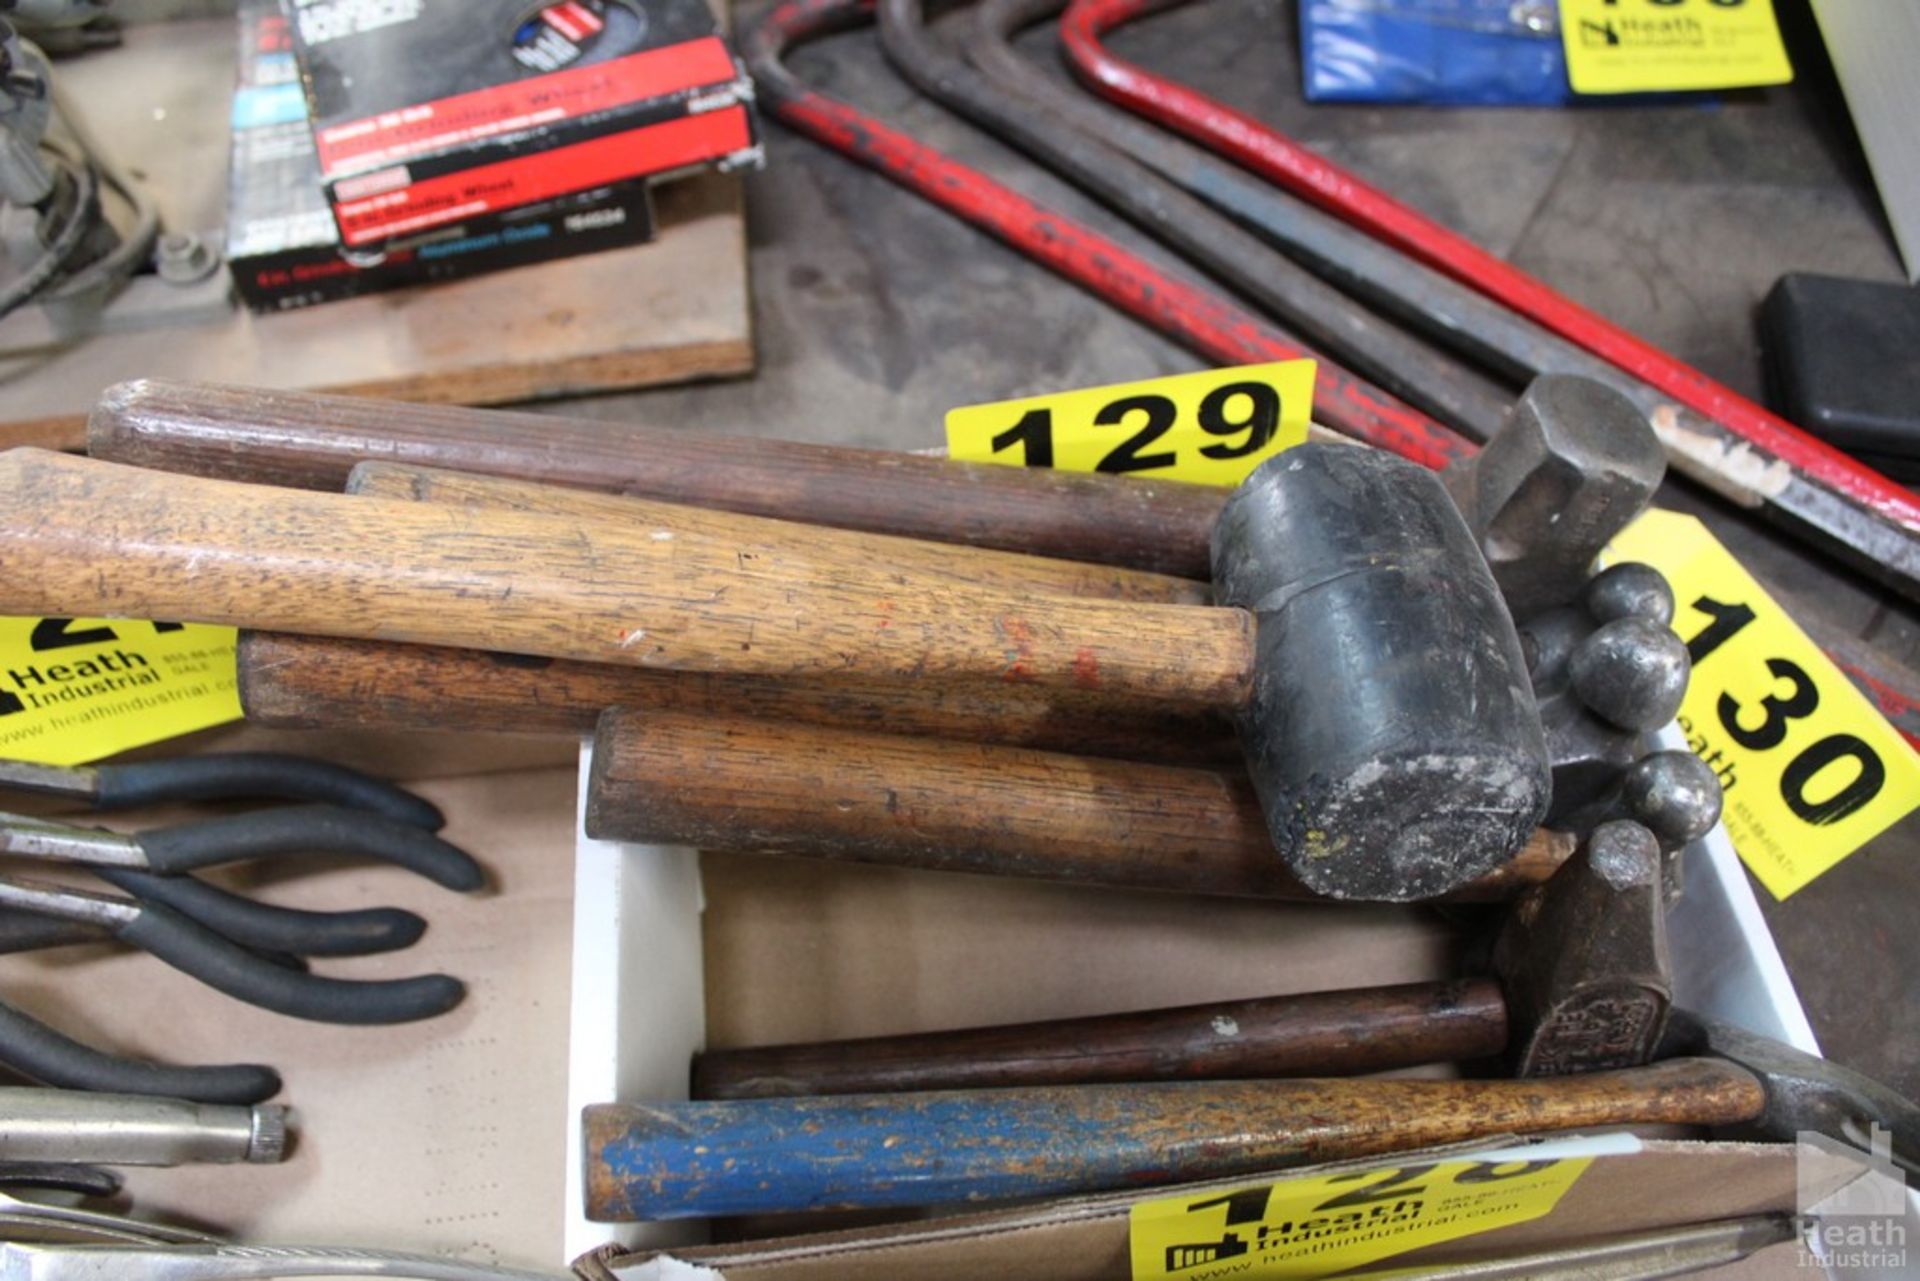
<point>639,1006</point>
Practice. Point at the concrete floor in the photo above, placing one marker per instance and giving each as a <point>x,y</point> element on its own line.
<point>877,313</point>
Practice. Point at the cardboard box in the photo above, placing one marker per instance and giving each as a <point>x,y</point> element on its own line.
<point>283,248</point>
<point>460,1135</point>
<point>674,950</point>
<point>426,112</point>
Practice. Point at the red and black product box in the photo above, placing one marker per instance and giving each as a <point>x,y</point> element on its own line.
<point>429,111</point>
<point>282,246</point>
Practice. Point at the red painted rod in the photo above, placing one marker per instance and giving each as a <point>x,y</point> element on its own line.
<point>1279,159</point>
<point>1190,315</point>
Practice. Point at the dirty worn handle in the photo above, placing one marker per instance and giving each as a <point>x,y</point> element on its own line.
<point>1000,571</point>
<point>319,682</point>
<point>84,537</point>
<point>1319,1033</point>
<point>312,441</point>
<point>753,1156</point>
<point>729,782</point>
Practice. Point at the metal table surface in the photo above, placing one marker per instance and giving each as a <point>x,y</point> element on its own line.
<point>875,313</point>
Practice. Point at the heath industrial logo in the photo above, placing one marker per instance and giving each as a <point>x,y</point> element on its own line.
<point>76,689</point>
<point>1863,1226</point>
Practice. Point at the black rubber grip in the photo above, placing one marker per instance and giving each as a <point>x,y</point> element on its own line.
<point>222,776</point>
<point>228,967</point>
<point>29,931</point>
<point>263,925</point>
<point>35,1050</point>
<point>309,829</point>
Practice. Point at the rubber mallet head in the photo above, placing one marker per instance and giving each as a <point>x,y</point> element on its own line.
<point>1390,731</point>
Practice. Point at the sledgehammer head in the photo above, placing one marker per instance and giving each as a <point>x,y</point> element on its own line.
<point>1391,732</point>
<point>1572,467</point>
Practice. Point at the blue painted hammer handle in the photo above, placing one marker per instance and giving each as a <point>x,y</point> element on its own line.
<point>755,1156</point>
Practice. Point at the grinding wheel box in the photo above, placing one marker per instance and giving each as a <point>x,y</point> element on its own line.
<point>283,249</point>
<point>426,112</point>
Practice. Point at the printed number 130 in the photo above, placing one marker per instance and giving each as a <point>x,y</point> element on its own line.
<point>1247,409</point>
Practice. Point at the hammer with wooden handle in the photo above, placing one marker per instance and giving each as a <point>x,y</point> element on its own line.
<point>714,781</point>
<point>323,682</point>
<point>303,681</point>
<point>1387,716</point>
<point>647,1161</point>
<point>684,1160</point>
<point>1593,938</point>
<point>311,441</point>
<point>1013,572</point>
<point>1574,450</point>
<point>776,1155</point>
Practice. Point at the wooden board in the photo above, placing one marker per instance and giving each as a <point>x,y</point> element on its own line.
<point>670,311</point>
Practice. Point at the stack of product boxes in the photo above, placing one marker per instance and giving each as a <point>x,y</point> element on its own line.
<point>379,143</point>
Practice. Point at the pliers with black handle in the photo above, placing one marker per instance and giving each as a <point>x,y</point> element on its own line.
<point>220,963</point>
<point>223,776</point>
<point>151,865</point>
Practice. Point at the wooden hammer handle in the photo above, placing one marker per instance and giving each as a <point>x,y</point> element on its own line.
<point>1316,1033</point>
<point>733,783</point>
<point>310,682</point>
<point>83,537</point>
<point>312,441</point>
<point>751,1156</point>
<point>1000,571</point>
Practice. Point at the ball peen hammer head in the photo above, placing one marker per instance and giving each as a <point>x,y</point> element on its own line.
<point>1391,730</point>
<point>1574,464</point>
<point>1804,1092</point>
<point>1583,959</point>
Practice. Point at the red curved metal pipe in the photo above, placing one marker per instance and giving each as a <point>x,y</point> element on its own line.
<point>1190,315</point>
<point>1279,159</point>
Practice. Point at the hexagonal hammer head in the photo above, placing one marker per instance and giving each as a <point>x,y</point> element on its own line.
<point>1583,959</point>
<point>1573,465</point>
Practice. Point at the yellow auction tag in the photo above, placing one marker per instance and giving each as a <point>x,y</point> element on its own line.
<point>1317,1226</point>
<point>1653,46</point>
<point>1212,427</point>
<point>1811,770</point>
<point>74,690</point>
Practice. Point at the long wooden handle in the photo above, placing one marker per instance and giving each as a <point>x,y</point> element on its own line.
<point>319,682</point>
<point>1317,1034</point>
<point>312,441</point>
<point>733,783</point>
<point>1000,571</point>
<point>681,1160</point>
<point>83,537</point>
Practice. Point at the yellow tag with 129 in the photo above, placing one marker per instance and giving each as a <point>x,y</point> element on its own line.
<point>1212,428</point>
<point>1810,769</point>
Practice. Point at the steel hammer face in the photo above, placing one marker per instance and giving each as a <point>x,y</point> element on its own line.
<point>1391,731</point>
<point>1573,466</point>
<point>1583,959</point>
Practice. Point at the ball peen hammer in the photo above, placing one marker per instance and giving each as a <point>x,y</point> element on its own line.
<point>1384,701</point>
<point>682,1160</point>
<point>1602,1000</point>
<point>1581,984</point>
<point>748,1156</point>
